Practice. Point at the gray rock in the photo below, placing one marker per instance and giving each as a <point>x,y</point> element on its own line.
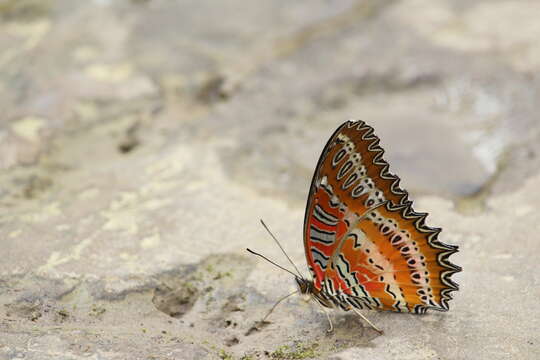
<point>141,141</point>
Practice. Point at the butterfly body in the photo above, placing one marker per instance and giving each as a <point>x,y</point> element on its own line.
<point>306,287</point>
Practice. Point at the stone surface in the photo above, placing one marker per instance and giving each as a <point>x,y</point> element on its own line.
<point>141,141</point>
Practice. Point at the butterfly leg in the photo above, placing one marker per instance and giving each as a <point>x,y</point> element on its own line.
<point>366,320</point>
<point>331,328</point>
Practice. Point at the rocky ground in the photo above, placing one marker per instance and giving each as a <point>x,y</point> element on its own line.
<point>141,141</point>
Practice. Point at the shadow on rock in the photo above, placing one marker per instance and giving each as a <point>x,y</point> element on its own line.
<point>216,280</point>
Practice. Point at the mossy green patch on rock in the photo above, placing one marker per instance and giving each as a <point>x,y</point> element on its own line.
<point>225,355</point>
<point>296,352</point>
<point>96,311</point>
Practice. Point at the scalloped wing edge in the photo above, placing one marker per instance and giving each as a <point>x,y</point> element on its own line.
<point>374,146</point>
<point>447,250</point>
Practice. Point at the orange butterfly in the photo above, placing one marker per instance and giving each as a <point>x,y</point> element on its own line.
<point>365,246</point>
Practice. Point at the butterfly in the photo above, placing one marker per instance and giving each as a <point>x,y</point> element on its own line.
<point>365,246</point>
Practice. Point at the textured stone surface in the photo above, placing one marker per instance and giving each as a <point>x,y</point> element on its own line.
<point>141,141</point>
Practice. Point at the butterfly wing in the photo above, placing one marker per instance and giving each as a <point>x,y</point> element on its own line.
<point>362,238</point>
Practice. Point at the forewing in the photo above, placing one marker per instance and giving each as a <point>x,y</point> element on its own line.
<point>352,253</point>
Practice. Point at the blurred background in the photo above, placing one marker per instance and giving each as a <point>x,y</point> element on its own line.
<point>141,141</point>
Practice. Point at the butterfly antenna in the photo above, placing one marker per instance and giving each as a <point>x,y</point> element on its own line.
<point>271,262</point>
<point>276,304</point>
<point>281,247</point>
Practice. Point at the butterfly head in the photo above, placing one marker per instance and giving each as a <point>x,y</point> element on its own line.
<point>305,286</point>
